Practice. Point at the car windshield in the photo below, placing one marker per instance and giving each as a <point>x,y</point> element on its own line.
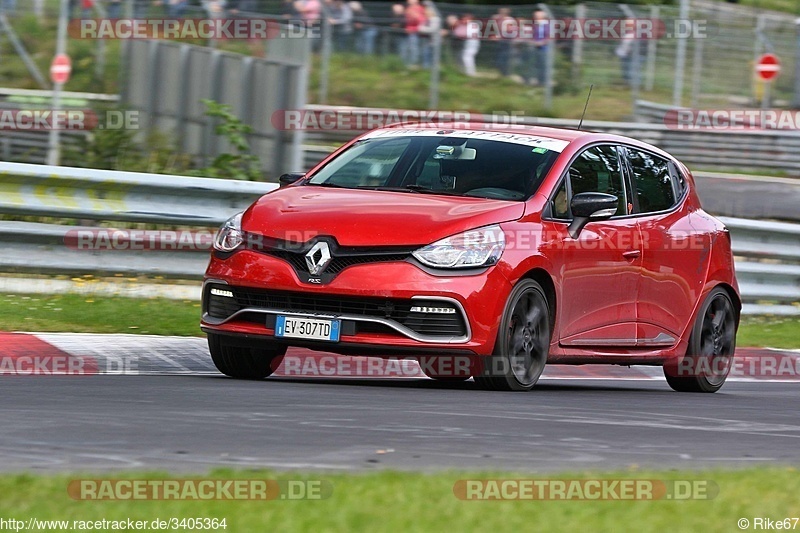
<point>443,164</point>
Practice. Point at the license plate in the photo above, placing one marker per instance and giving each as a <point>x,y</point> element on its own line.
<point>316,329</point>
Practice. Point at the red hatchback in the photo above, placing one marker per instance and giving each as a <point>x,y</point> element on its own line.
<point>505,249</point>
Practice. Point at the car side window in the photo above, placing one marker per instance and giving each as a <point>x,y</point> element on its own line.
<point>597,169</point>
<point>652,180</point>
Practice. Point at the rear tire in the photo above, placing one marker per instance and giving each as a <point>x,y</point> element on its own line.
<point>523,342</point>
<point>712,343</point>
<point>242,362</point>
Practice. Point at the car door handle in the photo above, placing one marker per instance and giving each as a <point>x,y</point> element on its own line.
<point>631,254</point>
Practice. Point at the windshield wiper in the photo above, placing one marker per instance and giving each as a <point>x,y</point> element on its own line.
<point>327,184</point>
<point>427,190</point>
<point>361,187</point>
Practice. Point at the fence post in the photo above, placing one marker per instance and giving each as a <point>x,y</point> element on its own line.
<point>652,51</point>
<point>100,51</point>
<point>54,142</point>
<point>697,72</point>
<point>577,48</point>
<point>436,62</point>
<point>549,63</point>
<point>757,49</point>
<point>325,57</point>
<point>796,97</point>
<point>680,58</point>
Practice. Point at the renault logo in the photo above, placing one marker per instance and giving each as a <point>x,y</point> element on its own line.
<point>318,258</point>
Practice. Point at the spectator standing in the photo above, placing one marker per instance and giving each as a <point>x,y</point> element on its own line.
<point>414,18</point>
<point>537,49</point>
<point>309,10</point>
<point>176,8</point>
<point>507,32</point>
<point>365,29</point>
<point>114,9</point>
<point>471,43</point>
<point>428,30</point>
<point>340,17</point>
<point>289,11</point>
<point>628,52</point>
<point>397,30</point>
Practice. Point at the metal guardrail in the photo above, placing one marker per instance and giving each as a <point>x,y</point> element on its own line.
<point>767,254</point>
<point>82,193</point>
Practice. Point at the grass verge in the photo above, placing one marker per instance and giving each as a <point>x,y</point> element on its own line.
<point>91,314</point>
<point>85,314</point>
<point>394,501</point>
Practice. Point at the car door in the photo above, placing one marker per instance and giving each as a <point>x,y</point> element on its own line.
<point>598,270</point>
<point>674,255</point>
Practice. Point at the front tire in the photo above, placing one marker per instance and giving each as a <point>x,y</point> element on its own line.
<point>523,342</point>
<point>242,362</point>
<point>708,359</point>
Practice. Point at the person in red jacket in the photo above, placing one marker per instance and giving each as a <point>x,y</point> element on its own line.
<point>415,17</point>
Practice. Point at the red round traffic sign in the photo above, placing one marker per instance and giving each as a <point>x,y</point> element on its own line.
<point>60,68</point>
<point>768,66</point>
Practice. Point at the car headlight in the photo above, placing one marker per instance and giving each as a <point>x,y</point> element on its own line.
<point>230,235</point>
<point>474,248</point>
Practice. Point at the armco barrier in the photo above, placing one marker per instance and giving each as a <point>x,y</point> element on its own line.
<point>767,253</point>
<point>82,193</point>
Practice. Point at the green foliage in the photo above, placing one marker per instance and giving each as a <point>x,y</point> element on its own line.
<point>125,149</point>
<point>118,149</point>
<point>241,164</point>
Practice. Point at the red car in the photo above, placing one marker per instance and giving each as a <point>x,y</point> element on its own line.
<point>507,248</point>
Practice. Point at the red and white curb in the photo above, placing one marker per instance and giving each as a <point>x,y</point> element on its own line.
<point>123,354</point>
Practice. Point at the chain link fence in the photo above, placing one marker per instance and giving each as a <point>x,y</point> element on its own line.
<point>712,67</point>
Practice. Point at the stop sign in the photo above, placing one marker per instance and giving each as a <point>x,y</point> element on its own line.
<point>768,67</point>
<point>60,69</point>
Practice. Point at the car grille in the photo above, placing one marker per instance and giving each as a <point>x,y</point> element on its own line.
<point>397,310</point>
<point>342,257</point>
<point>337,264</point>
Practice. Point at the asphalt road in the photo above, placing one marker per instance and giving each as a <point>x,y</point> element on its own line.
<point>191,423</point>
<point>749,196</point>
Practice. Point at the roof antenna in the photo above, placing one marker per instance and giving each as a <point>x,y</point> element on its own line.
<point>585,106</point>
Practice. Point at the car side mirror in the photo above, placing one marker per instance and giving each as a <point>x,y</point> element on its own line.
<point>589,206</point>
<point>292,177</point>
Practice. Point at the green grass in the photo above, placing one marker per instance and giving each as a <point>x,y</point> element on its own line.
<point>72,312</point>
<point>393,501</point>
<point>392,85</point>
<point>772,331</point>
<point>91,314</point>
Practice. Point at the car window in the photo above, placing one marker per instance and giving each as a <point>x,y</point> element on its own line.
<point>443,165</point>
<point>678,180</point>
<point>597,169</point>
<point>651,180</point>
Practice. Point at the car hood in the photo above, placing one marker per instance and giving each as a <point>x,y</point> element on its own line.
<point>371,218</point>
